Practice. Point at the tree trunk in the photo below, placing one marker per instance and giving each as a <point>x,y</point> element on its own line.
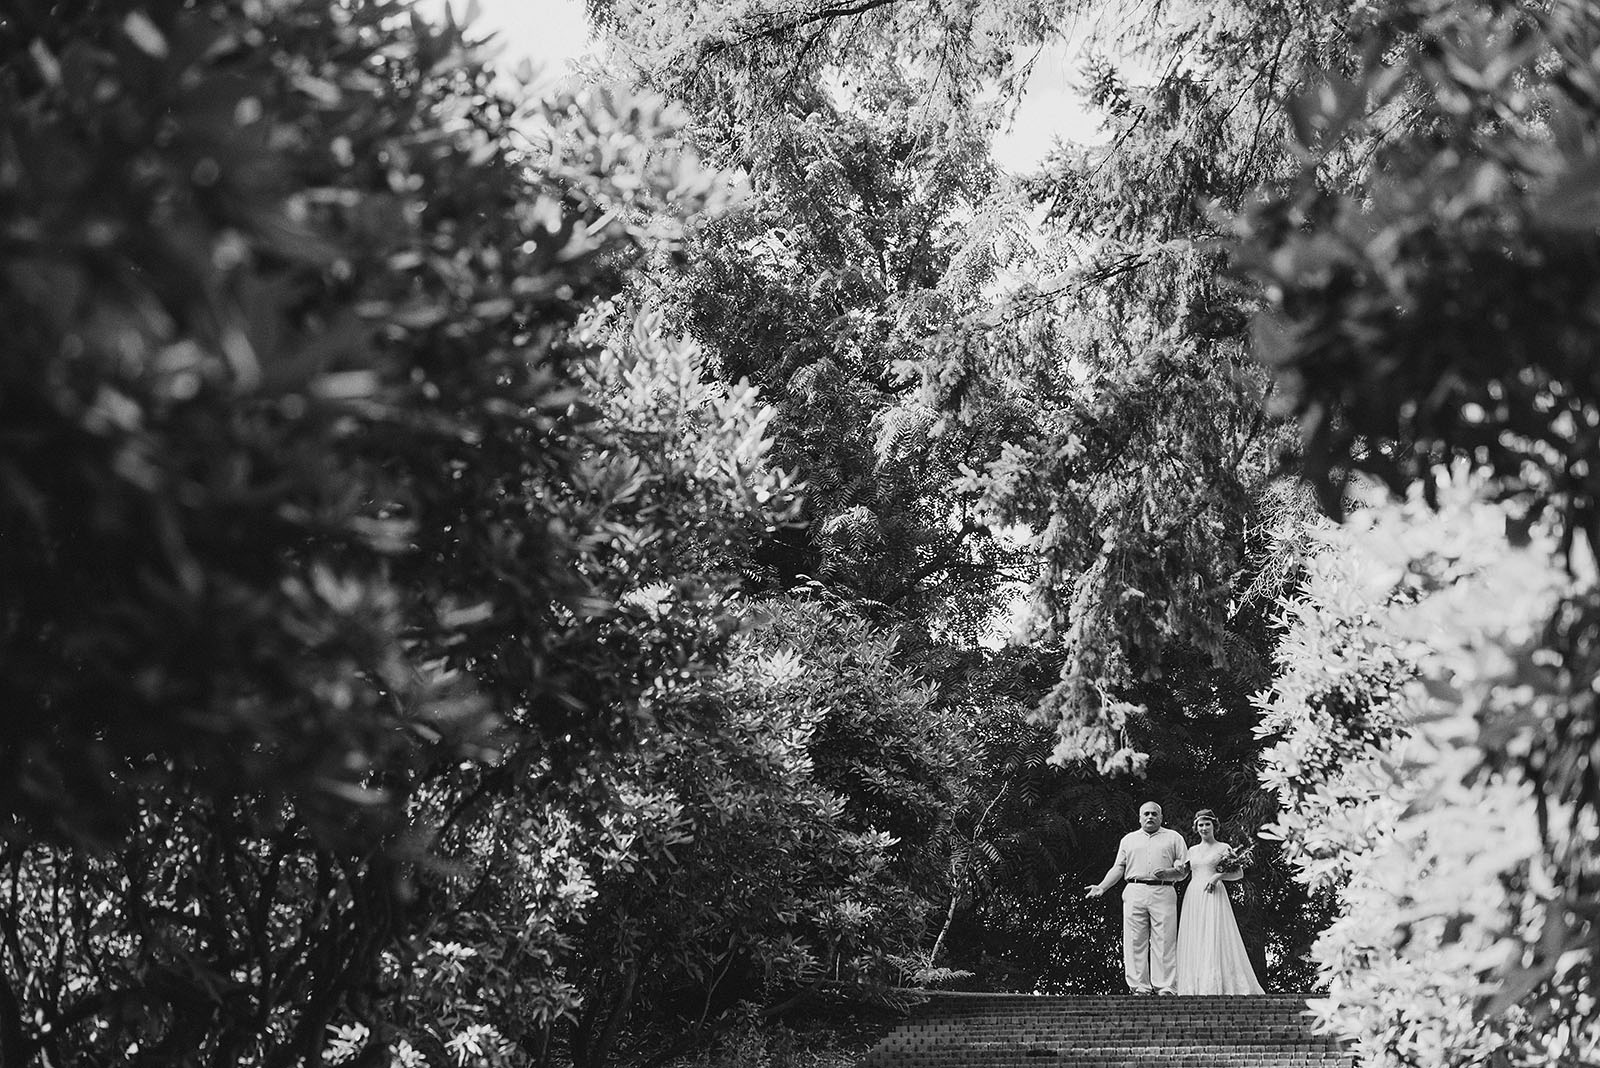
<point>14,1047</point>
<point>949,919</point>
<point>590,1047</point>
<point>601,1049</point>
<point>955,878</point>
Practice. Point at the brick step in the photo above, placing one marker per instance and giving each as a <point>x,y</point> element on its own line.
<point>1134,1011</point>
<point>1178,1006</point>
<point>1101,1055</point>
<point>1155,1028</point>
<point>1111,1037</point>
<point>910,1054</point>
<point>1027,1056</point>
<point>1130,1020</point>
<point>1145,1053</point>
<point>1023,1031</point>
<point>1130,1032</point>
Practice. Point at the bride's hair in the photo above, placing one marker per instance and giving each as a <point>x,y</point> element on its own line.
<point>1206,814</point>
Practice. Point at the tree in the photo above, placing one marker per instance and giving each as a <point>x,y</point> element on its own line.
<point>769,846</point>
<point>530,850</point>
<point>822,291</point>
<point>1153,476</point>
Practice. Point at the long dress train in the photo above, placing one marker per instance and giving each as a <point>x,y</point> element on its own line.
<point>1211,956</point>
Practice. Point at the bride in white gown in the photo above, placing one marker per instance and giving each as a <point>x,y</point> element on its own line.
<point>1211,956</point>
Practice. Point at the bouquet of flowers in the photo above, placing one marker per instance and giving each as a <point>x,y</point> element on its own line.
<point>1236,859</point>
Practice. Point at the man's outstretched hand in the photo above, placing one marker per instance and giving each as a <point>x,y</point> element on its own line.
<point>1093,891</point>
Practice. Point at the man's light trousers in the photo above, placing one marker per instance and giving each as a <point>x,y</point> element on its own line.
<point>1150,937</point>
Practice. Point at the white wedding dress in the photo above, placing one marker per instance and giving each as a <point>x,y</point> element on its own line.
<point>1211,956</point>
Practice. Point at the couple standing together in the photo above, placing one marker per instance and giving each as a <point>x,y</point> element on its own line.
<point>1202,954</point>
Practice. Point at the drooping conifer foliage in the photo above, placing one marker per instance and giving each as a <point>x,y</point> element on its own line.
<point>1154,481</point>
<point>855,246</point>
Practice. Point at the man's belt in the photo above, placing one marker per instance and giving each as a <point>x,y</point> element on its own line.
<point>1149,882</point>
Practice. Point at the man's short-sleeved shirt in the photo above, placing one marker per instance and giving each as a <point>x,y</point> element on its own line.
<point>1141,855</point>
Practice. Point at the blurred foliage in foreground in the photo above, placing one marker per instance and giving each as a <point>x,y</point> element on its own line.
<point>299,491</point>
<point>1434,714</point>
<point>342,574</point>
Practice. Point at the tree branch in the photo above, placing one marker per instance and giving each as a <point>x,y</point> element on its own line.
<point>839,12</point>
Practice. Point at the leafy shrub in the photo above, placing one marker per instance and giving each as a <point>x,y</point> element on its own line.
<point>1453,873</point>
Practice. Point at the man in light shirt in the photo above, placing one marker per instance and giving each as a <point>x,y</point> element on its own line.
<point>1152,861</point>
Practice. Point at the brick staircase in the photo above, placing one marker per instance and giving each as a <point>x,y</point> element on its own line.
<point>1022,1031</point>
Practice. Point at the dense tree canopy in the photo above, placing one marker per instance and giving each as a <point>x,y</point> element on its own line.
<point>507,581</point>
<point>981,404</point>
